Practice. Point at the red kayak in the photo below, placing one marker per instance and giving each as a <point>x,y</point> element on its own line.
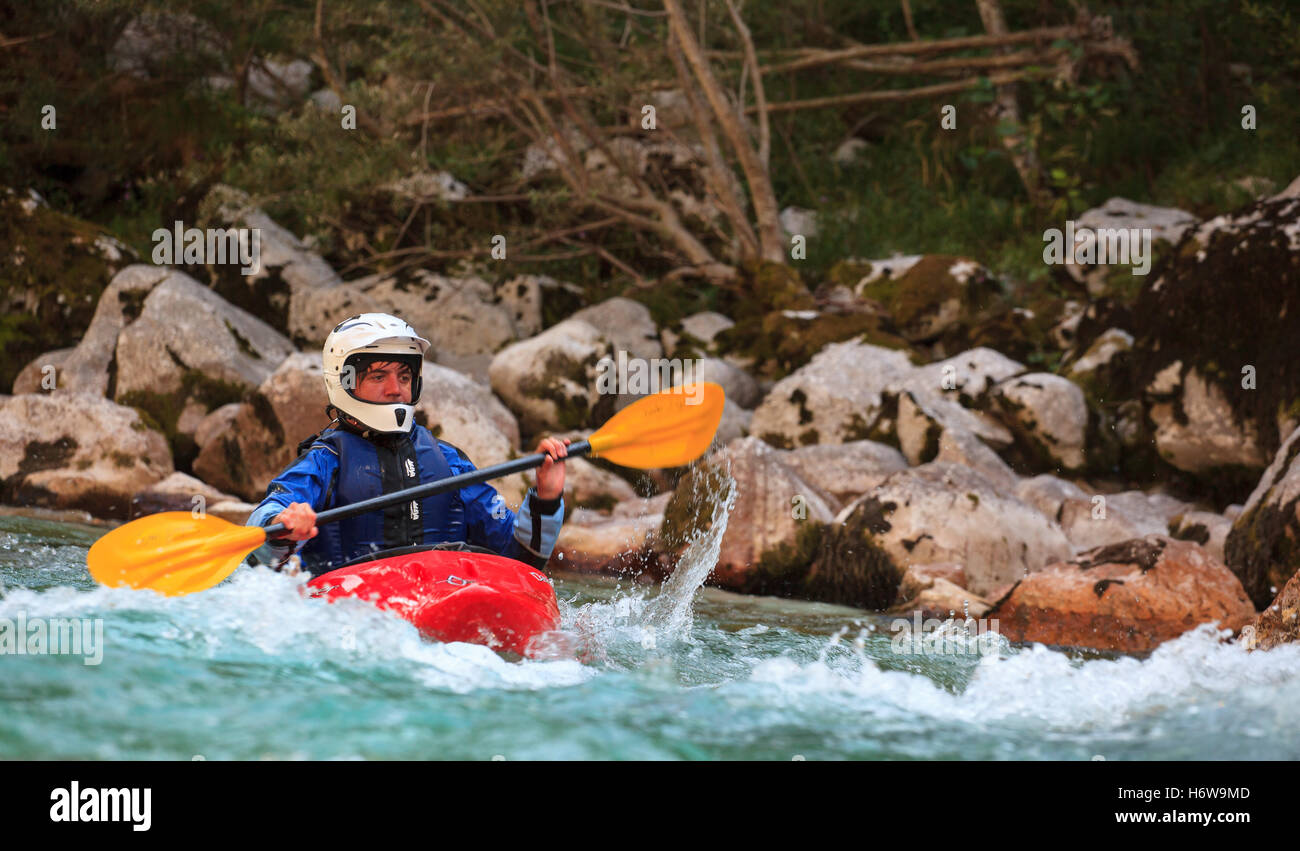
<point>452,595</point>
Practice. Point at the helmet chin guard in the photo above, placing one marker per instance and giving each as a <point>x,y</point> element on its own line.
<point>351,346</point>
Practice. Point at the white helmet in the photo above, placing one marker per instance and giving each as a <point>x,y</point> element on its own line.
<point>351,347</point>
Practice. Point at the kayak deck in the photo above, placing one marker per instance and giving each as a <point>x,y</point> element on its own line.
<point>453,596</point>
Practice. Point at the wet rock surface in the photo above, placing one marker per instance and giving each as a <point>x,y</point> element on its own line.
<point>1279,623</point>
<point>1126,597</point>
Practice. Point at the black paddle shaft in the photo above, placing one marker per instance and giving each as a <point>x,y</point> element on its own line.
<point>454,483</point>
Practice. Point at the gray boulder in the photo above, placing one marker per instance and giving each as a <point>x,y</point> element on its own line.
<point>1090,523</point>
<point>185,327</point>
<point>279,83</point>
<point>42,374</point>
<point>1196,429</point>
<point>521,297</point>
<point>1047,494</point>
<point>91,365</point>
<point>1101,352</point>
<point>836,397</point>
<point>736,383</point>
<point>923,418</point>
<point>965,377</point>
<point>1206,528</point>
<point>772,502</point>
<point>549,381</point>
<point>1150,513</point>
<point>1167,224</point>
<point>962,447</point>
<point>150,40</point>
<point>626,324</point>
<point>706,326</point>
<point>181,492</point>
<point>243,446</point>
<point>294,289</point>
<point>944,512</point>
<point>734,423</point>
<point>1049,413</point>
<point>845,471</point>
<point>77,451</point>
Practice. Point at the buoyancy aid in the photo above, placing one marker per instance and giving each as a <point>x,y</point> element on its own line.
<point>367,468</point>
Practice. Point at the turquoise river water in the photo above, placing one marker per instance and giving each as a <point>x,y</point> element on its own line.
<point>253,670</point>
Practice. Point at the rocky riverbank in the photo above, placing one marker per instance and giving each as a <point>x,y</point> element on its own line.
<point>893,446</point>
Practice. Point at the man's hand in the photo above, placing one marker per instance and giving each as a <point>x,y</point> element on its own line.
<point>300,520</point>
<point>550,476</point>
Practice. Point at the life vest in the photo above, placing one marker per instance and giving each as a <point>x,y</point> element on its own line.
<point>368,468</point>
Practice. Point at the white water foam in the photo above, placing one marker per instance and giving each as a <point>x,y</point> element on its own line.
<point>261,613</point>
<point>1052,688</point>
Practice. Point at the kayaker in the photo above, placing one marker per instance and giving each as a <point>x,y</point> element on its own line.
<point>372,378</point>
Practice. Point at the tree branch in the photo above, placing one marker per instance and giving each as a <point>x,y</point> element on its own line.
<point>760,100</point>
<point>1006,109</point>
<point>895,95</point>
<point>958,63</point>
<point>815,58</point>
<point>907,21</point>
<point>716,171</point>
<point>760,185</point>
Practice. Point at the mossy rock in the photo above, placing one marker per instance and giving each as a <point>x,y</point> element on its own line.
<point>1022,333</point>
<point>851,568</point>
<point>1226,304</point>
<point>767,286</point>
<point>1263,548</point>
<point>572,410</point>
<point>783,570</point>
<point>671,301</point>
<point>927,299</point>
<point>847,273</point>
<point>162,411</point>
<point>52,272</point>
<point>830,564</point>
<point>781,343</point>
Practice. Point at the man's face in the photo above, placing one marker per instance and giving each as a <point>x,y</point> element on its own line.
<point>385,382</point>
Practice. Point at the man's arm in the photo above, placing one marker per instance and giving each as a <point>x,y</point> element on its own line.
<point>306,481</point>
<point>527,535</point>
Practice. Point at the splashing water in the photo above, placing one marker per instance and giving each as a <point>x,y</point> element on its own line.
<point>670,612</point>
<point>633,625</point>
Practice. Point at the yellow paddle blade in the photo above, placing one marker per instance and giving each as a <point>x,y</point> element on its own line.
<point>173,553</point>
<point>670,428</point>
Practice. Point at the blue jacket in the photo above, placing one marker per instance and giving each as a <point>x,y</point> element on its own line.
<point>340,467</point>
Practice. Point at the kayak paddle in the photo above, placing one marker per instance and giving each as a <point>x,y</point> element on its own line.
<point>177,553</point>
